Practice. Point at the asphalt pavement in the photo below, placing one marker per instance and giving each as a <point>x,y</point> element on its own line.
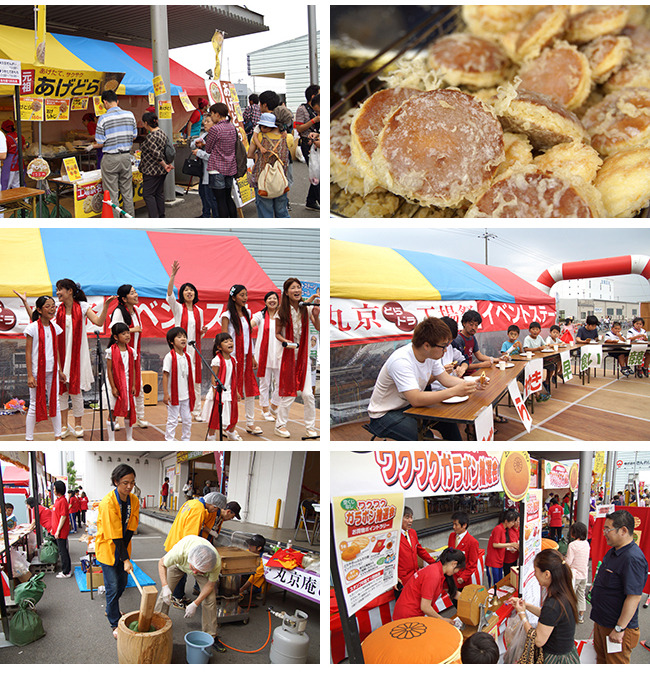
<point>190,206</point>
<point>77,630</point>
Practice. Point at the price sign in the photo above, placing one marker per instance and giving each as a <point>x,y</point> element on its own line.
<point>165,110</point>
<point>98,105</point>
<point>9,72</point>
<point>72,169</point>
<point>79,103</point>
<point>57,109</point>
<point>31,109</point>
<point>185,100</point>
<point>159,86</point>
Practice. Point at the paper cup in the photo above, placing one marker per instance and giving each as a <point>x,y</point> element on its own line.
<point>502,365</point>
<point>529,355</point>
<point>555,348</point>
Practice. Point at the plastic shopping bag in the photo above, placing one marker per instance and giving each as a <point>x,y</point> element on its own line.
<point>514,639</point>
<point>314,165</point>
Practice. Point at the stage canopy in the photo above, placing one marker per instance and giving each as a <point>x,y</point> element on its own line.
<point>100,260</point>
<point>76,53</point>
<point>380,293</point>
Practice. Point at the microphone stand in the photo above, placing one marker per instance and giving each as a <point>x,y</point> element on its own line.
<point>219,388</point>
<point>102,379</point>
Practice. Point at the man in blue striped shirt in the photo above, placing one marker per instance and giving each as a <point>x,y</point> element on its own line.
<point>116,130</point>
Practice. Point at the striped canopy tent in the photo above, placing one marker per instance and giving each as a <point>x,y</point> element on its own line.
<point>76,53</point>
<point>380,293</point>
<point>101,260</point>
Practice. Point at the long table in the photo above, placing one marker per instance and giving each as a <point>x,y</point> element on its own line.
<point>467,411</point>
<point>16,199</point>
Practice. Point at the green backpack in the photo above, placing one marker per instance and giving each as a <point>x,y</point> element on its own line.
<point>30,590</point>
<point>25,625</point>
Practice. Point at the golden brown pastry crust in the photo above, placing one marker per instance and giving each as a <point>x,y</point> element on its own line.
<point>570,159</point>
<point>530,193</point>
<point>439,149</point>
<point>624,182</point>
<point>560,72</point>
<point>548,24</point>
<point>597,21</point>
<point>493,21</point>
<point>621,121</point>
<point>465,59</point>
<point>606,55</point>
<point>342,170</point>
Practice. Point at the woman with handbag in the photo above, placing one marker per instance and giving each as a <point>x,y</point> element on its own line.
<point>271,155</point>
<point>208,200</point>
<point>221,143</point>
<point>558,614</point>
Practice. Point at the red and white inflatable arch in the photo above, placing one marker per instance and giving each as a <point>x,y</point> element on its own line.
<point>590,269</point>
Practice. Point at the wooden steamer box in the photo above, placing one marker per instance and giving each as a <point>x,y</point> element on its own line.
<point>237,561</point>
<point>468,604</point>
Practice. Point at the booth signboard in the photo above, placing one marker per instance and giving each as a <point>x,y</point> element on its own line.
<point>366,536</point>
<point>57,110</point>
<point>533,373</point>
<point>80,103</point>
<point>165,110</point>
<point>31,109</point>
<point>424,473</point>
<point>560,475</point>
<point>532,530</point>
<point>297,581</point>
<point>566,366</point>
<point>185,100</point>
<point>9,72</point>
<point>57,83</point>
<point>88,196</point>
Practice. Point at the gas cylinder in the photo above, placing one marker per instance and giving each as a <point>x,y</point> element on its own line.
<point>290,643</point>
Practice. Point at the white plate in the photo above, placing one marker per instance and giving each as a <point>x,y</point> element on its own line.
<point>548,351</point>
<point>510,364</point>
<point>456,399</point>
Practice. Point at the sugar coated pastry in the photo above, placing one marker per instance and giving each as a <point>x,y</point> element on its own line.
<point>367,125</point>
<point>634,73</point>
<point>439,149</point>
<point>621,121</point>
<point>545,122</point>
<point>606,55</point>
<point>624,182</point>
<point>464,59</point>
<point>530,193</point>
<point>342,170</point>
<point>518,151</point>
<point>549,23</point>
<point>492,21</point>
<point>597,21</point>
<point>570,159</point>
<point>561,72</point>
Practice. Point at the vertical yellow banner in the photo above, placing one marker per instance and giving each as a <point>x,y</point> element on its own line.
<point>217,44</point>
<point>40,35</point>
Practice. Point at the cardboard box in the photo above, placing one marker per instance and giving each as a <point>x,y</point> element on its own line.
<point>98,577</point>
<point>468,604</point>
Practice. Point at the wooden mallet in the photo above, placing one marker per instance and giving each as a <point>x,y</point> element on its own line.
<point>147,603</point>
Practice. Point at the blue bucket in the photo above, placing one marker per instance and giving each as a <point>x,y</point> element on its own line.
<point>198,647</point>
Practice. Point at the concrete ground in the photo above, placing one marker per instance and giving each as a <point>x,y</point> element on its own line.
<point>190,206</point>
<point>77,630</point>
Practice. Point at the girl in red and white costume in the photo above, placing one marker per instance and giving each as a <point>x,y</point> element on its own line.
<point>236,321</point>
<point>178,385</point>
<point>224,366</point>
<point>292,331</point>
<point>267,353</point>
<point>43,368</point>
<point>125,312</point>
<point>71,316</point>
<point>189,316</point>
<point>120,370</point>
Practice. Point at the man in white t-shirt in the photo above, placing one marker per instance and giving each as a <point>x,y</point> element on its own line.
<point>403,379</point>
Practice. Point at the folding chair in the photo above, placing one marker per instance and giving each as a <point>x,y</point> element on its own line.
<point>308,519</point>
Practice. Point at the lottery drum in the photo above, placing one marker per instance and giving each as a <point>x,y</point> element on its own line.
<point>421,639</point>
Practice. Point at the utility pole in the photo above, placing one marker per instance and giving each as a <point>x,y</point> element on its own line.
<point>487,236</point>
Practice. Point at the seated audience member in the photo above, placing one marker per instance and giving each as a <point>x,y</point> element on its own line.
<point>512,345</point>
<point>479,648</point>
<point>554,336</point>
<point>453,360</point>
<point>612,337</point>
<point>534,342</point>
<point>466,342</point>
<point>638,334</point>
<point>403,379</point>
<point>588,334</point>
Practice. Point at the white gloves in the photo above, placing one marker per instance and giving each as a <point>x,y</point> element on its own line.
<point>190,610</point>
<point>167,595</point>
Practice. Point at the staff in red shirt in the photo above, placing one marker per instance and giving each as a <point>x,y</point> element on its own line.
<point>61,529</point>
<point>462,540</point>
<point>426,586</point>
<point>511,555</point>
<point>73,509</point>
<point>409,549</point>
<point>555,513</point>
<point>497,544</point>
<point>83,505</point>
